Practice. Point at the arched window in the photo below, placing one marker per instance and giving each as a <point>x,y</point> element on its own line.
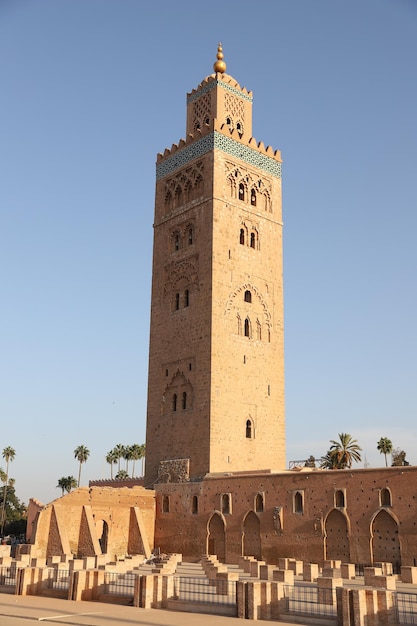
<point>186,298</point>
<point>177,241</point>
<point>226,503</point>
<point>298,502</point>
<point>239,129</point>
<point>174,402</point>
<point>165,504</point>
<point>248,429</point>
<point>252,240</point>
<point>190,236</point>
<point>253,197</point>
<point>178,196</point>
<point>177,301</point>
<point>194,505</point>
<point>184,400</point>
<point>242,237</point>
<point>385,496</point>
<point>259,503</point>
<point>241,191</point>
<point>339,499</point>
<point>248,296</point>
<point>247,328</point>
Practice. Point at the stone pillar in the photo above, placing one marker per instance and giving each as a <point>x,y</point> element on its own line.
<point>253,600</point>
<point>266,572</point>
<point>310,572</point>
<point>241,595</point>
<point>296,566</point>
<point>283,576</point>
<point>374,578</point>
<point>347,571</point>
<point>254,568</point>
<point>325,589</point>
<point>409,574</point>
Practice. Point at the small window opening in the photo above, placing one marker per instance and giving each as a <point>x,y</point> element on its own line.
<point>247,328</point>
<point>339,499</point>
<point>226,504</point>
<point>190,236</point>
<point>184,400</point>
<point>176,241</point>
<point>248,296</point>
<point>385,497</point>
<point>248,429</point>
<point>165,504</point>
<point>189,366</point>
<point>253,197</point>
<point>166,372</point>
<point>174,402</point>
<point>177,301</point>
<point>242,237</point>
<point>241,191</point>
<point>194,505</point>
<point>298,503</point>
<point>186,298</point>
<point>252,240</point>
<point>259,503</point>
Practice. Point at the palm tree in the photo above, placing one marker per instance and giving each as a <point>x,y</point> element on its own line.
<point>119,451</point>
<point>329,461</point>
<point>62,482</point>
<point>342,453</point>
<point>122,474</point>
<point>81,453</point>
<point>384,446</point>
<point>111,458</point>
<point>136,453</point>
<point>71,483</point>
<point>8,455</point>
<point>127,456</point>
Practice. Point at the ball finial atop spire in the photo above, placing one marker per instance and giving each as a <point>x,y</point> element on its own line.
<point>220,65</point>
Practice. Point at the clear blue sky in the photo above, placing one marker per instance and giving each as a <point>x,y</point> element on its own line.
<point>91,91</point>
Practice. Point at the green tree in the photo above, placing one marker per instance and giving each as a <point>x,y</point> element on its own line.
<point>121,475</point>
<point>329,461</point>
<point>8,455</point>
<point>111,459</point>
<point>81,453</point>
<point>67,483</point>
<point>127,455</point>
<point>384,446</point>
<point>119,451</point>
<point>71,483</point>
<point>346,450</point>
<point>342,453</point>
<point>398,457</point>
<point>62,484</point>
<point>15,511</point>
<point>137,452</point>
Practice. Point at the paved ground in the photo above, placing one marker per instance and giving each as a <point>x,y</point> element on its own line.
<point>27,610</point>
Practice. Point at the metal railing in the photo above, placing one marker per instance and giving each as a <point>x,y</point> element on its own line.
<point>204,591</point>
<point>405,607</point>
<point>305,600</point>
<point>8,576</point>
<point>58,579</point>
<point>117,584</point>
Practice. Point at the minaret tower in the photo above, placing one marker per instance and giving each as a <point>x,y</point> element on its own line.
<point>216,366</point>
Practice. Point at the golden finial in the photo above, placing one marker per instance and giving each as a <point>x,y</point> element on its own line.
<point>220,65</point>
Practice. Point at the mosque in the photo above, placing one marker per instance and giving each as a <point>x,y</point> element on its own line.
<point>216,479</point>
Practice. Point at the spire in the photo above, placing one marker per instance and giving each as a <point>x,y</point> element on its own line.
<point>220,65</point>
